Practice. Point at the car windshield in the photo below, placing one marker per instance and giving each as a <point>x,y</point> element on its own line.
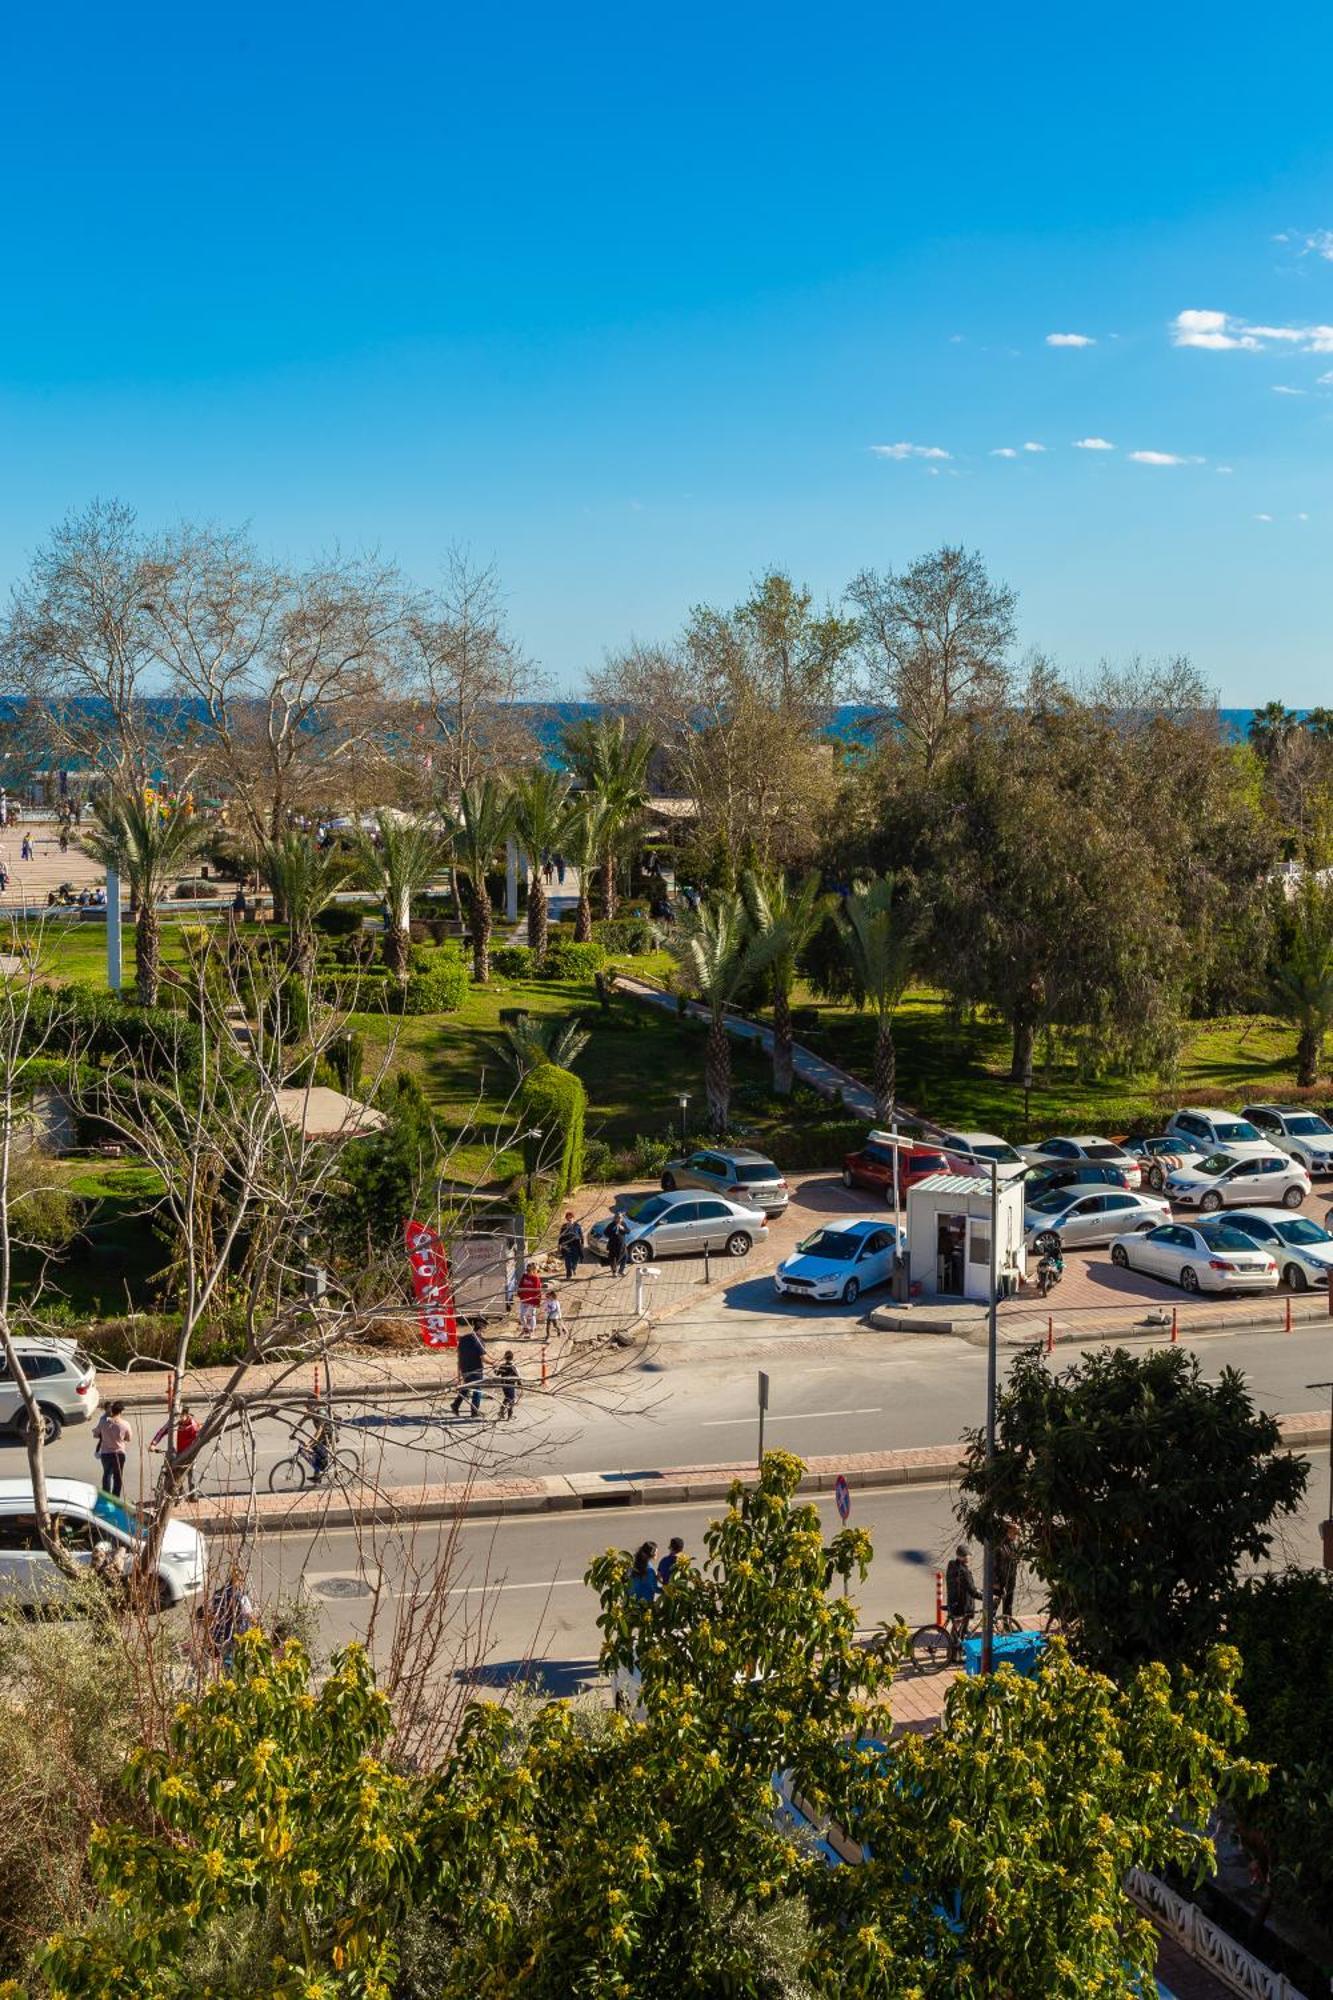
<point>117,1515</point>
<point>1301,1230</point>
<point>1216,1163</point>
<point>1231,1134</point>
<point>1309,1126</point>
<point>1050,1204</point>
<point>1004,1154</point>
<point>646,1208</point>
<point>1224,1237</point>
<point>834,1244</point>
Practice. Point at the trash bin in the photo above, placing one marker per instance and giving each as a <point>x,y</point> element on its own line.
<point>1020,1650</point>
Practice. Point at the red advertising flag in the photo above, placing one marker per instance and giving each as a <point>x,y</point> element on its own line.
<point>430,1282</point>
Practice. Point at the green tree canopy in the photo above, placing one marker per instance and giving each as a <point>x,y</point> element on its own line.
<point>1139,1489</point>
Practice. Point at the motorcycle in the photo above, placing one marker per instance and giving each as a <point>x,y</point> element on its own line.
<point>1051,1267</point>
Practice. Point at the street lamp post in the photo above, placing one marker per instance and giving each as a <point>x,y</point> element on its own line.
<point>532,1157</point>
<point>1326,1527</point>
<point>1027,1092</point>
<point>992,1372</point>
<point>684,1102</point>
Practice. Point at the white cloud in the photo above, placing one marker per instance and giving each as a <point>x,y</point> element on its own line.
<point>1004,451</point>
<point>1224,468</point>
<point>1302,517</point>
<point>1318,242</point>
<point>909,451</point>
<point>1281,389</point>
<point>1093,444</point>
<point>1263,517</point>
<point>1029,446</point>
<point>1070,340</point>
<point>1162,458</point>
<point>1219,330</point>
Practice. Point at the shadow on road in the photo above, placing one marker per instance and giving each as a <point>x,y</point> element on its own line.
<point>552,1677</point>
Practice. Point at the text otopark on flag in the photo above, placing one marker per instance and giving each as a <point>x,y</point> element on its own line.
<point>430,1283</point>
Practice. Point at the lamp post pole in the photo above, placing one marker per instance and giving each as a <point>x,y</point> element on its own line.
<point>684,1101</point>
<point>992,1371</point>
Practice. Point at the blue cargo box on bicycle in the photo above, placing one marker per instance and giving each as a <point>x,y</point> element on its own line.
<point>1020,1650</point>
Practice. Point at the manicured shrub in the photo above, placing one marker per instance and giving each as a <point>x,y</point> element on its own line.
<point>513,961</point>
<point>626,937</point>
<point>554,1100</point>
<point>573,961</point>
<point>340,920</point>
<point>440,989</point>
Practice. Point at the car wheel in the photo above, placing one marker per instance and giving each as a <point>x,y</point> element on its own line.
<point>1120,1256</point>
<point>640,1252</point>
<point>1189,1279</point>
<point>738,1244</point>
<point>851,1292</point>
<point>669,1183</point>
<point>52,1423</point>
<point>1293,1197</point>
<point>1211,1203</point>
<point>1296,1278</point>
<point>1157,1179</point>
<point>847,1180</point>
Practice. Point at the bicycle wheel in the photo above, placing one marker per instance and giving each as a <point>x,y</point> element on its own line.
<point>346,1467</point>
<point>288,1475</point>
<point>932,1648</point>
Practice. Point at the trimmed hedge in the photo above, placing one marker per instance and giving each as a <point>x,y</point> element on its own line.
<point>440,989</point>
<point>514,961</point>
<point>626,937</point>
<point>573,961</point>
<point>555,1100</point>
<point>339,920</point>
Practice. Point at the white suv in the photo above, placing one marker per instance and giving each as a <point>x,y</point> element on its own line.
<point>65,1381</point>
<point>88,1523</point>
<point>1303,1134</point>
<point>1212,1131</point>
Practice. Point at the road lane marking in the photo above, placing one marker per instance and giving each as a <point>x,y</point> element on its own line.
<point>797,1417</point>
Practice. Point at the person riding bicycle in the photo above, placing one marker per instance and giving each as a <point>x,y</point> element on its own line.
<point>315,1438</point>
<point>961,1595</point>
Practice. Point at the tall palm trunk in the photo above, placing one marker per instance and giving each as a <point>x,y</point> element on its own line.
<point>717,1073</point>
<point>609,887</point>
<point>397,944</point>
<point>886,1069</point>
<point>784,1062</point>
<point>1025,1030</point>
<point>583,917</point>
<point>1309,1051</point>
<point>147,955</point>
<point>481,933</point>
<point>538,913</point>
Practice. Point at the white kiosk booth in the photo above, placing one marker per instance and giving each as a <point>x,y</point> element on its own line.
<point>949,1232</point>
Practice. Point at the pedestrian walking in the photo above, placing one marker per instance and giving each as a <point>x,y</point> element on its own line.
<point>666,1569</point>
<point>1006,1571</point>
<point>553,1316</point>
<point>643,1583</point>
<point>570,1243</point>
<point>230,1612</point>
<point>471,1367</point>
<point>510,1381</point>
<point>238,905</point>
<point>560,869</point>
<point>617,1244</point>
<point>111,1440</point>
<point>961,1595</point>
<point>529,1296</point>
<point>26,849</point>
<point>548,871</point>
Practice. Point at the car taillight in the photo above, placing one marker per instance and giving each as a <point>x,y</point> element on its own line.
<point>1220,1264</point>
<point>82,1388</point>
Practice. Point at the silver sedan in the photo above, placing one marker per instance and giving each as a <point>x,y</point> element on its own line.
<point>683,1224</point>
<point>1079,1215</point>
<point>1213,1258</point>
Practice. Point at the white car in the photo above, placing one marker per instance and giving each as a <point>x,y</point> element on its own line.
<point>1086,1151</point>
<point>88,1521</point>
<point>839,1262</point>
<point>975,1149</point>
<point>1078,1216</point>
<point>1303,1250</point>
<point>1238,1180</point>
<point>1213,1258</point>
<point>1210,1131</point>
<point>65,1381</point>
<point>1303,1134</point>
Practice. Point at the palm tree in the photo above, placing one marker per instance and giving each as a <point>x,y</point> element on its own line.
<point>783,918</point>
<point>541,813</point>
<point>877,945</point>
<point>585,840</point>
<point>1303,981</point>
<point>1270,726</point>
<point>714,955</point>
<point>304,880</point>
<point>403,858</point>
<point>147,838</point>
<point>613,766</point>
<point>476,833</point>
<point>531,1043</point>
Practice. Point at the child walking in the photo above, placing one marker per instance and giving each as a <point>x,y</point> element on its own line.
<point>510,1381</point>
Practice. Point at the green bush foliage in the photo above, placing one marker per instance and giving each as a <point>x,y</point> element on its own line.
<point>441,988</point>
<point>513,961</point>
<point>340,920</point>
<point>554,1100</point>
<point>573,961</point>
<point>385,1174</point>
<point>625,937</point>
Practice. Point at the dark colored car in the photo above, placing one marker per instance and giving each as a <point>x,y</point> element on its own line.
<point>872,1165</point>
<point>1039,1184</point>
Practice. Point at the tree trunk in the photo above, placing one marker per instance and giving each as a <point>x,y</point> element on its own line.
<point>783,1061</point>
<point>1025,1031</point>
<point>583,920</point>
<point>1309,1055</point>
<point>717,1074</point>
<point>481,934</point>
<point>147,956</point>
<point>538,915</point>
<point>886,1070</point>
<point>397,941</point>
<point>609,887</point>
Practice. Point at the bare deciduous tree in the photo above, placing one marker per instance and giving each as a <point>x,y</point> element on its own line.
<point>464,673</point>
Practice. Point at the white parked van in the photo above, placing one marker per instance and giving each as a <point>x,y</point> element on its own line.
<point>88,1522</point>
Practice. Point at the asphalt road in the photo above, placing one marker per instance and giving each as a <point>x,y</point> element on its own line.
<point>515,1586</point>
<point>832,1390</point>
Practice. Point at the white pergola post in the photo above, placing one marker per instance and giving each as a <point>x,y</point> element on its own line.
<point>113,966</point>
<point>511,879</point>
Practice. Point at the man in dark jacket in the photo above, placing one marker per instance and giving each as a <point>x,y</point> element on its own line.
<point>961,1595</point>
<point>617,1241</point>
<point>471,1367</point>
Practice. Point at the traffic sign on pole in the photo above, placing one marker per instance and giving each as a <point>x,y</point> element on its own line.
<point>842,1498</point>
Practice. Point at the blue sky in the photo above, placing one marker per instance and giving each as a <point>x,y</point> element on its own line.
<point>625,299</point>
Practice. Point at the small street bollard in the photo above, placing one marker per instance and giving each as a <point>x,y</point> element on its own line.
<point>1050,1334</point>
<point>543,1364</point>
<point>1175,1330</point>
<point>708,1268</point>
<point>939,1598</point>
